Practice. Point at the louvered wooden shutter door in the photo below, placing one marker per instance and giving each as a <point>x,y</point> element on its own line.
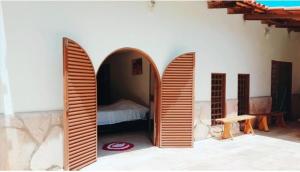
<point>80,128</point>
<point>177,99</point>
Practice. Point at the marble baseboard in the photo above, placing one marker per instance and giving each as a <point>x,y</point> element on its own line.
<point>260,105</point>
<point>31,141</point>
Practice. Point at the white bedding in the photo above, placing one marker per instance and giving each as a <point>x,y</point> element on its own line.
<point>121,111</point>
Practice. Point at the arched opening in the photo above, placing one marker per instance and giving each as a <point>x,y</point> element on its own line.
<point>170,102</point>
<point>128,85</point>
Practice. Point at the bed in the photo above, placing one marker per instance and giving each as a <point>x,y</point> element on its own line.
<point>121,111</point>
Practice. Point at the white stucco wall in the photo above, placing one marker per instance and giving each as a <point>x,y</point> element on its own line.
<point>223,43</point>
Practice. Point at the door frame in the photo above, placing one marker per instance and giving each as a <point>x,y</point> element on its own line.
<point>288,116</point>
<point>157,90</point>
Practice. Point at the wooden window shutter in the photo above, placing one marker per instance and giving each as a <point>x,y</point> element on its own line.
<point>80,128</point>
<point>177,98</point>
<point>243,93</point>
<point>218,97</point>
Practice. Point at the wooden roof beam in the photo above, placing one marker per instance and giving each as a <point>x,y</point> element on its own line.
<point>288,25</point>
<point>271,16</point>
<point>297,28</point>
<point>270,22</point>
<point>282,24</point>
<point>239,10</point>
<point>255,7</point>
<point>221,4</point>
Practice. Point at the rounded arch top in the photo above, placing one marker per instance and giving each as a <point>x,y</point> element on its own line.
<point>132,49</point>
<point>69,44</point>
<point>184,55</point>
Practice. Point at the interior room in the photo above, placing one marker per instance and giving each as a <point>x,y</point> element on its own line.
<point>125,99</point>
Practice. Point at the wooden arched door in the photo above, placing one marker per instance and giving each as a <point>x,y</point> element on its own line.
<point>177,98</point>
<point>80,127</point>
<point>175,117</point>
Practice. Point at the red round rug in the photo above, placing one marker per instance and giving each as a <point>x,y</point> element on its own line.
<point>117,146</point>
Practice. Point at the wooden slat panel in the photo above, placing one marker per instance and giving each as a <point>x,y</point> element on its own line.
<point>82,112</point>
<point>82,140</point>
<point>82,89</point>
<point>78,58</point>
<point>177,102</point>
<point>82,152</point>
<point>72,91</point>
<point>80,121</point>
<point>81,74</point>
<point>81,132</point>
<point>80,85</point>
<point>85,143</point>
<point>82,95</point>
<point>80,81</point>
<point>80,126</point>
<point>80,148</point>
<point>75,63</point>
<point>76,53</point>
<point>82,135</point>
<point>75,48</point>
<point>87,68</point>
<point>81,157</point>
<point>77,165</point>
<point>81,108</point>
<point>75,71</point>
<point>77,130</point>
<point>78,160</point>
<point>78,116</point>
<point>82,101</point>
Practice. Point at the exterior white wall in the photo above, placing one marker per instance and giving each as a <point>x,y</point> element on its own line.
<point>223,43</point>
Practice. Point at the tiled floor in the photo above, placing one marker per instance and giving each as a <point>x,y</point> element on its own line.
<point>275,150</point>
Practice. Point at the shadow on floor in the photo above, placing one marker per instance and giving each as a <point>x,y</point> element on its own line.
<point>290,133</point>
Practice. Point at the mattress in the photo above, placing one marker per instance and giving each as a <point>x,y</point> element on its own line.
<point>121,111</point>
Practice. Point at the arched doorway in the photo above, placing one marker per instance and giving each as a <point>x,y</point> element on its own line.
<point>128,85</point>
<point>174,112</point>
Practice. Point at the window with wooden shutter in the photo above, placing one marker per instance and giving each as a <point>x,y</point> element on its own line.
<point>243,93</point>
<point>80,129</point>
<point>218,90</point>
<point>177,98</point>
